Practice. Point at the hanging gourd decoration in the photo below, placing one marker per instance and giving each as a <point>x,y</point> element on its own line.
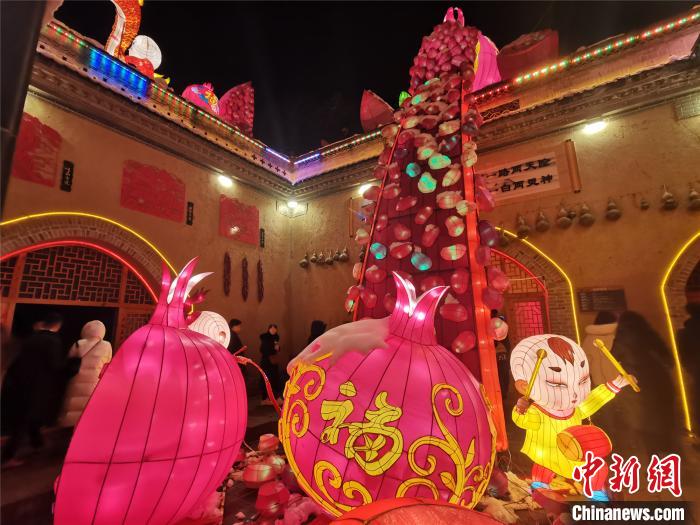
<point>612,212</point>
<point>585,217</point>
<point>162,427</point>
<point>521,227</point>
<point>693,200</point>
<point>542,222</point>
<point>644,204</point>
<point>668,201</point>
<point>305,261</point>
<point>563,219</point>
<point>354,434</point>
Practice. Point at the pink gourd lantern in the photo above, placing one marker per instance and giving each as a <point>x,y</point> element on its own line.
<point>162,428</point>
<point>376,409</point>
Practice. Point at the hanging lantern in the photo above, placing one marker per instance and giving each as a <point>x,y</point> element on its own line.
<point>585,217</point>
<point>355,435</point>
<point>563,219</point>
<point>542,223</point>
<point>612,213</point>
<point>693,199</point>
<point>521,227</point>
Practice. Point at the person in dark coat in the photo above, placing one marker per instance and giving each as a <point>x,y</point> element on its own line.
<point>648,422</point>
<point>235,344</point>
<point>269,362</point>
<point>33,389</point>
<point>318,328</point>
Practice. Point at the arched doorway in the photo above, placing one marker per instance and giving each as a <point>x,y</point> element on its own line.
<point>111,266</point>
<point>679,293</point>
<point>82,280</point>
<point>541,285</point>
<point>526,303</point>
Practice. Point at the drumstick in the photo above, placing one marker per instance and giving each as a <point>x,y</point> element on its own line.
<point>601,345</point>
<point>541,354</point>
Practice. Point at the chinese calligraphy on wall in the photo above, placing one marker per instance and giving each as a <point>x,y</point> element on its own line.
<point>543,171</point>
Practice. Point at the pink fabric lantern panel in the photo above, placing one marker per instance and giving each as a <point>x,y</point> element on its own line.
<point>162,428</point>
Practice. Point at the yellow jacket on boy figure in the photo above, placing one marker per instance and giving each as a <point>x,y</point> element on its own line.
<point>561,398</point>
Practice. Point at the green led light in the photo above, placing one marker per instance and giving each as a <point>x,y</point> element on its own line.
<point>427,183</point>
<point>519,80</point>
<point>378,250</point>
<point>413,169</point>
<point>527,77</point>
<point>420,261</point>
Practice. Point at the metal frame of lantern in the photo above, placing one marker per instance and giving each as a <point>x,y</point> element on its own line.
<point>482,314</point>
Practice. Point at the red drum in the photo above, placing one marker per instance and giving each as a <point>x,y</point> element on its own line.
<point>575,441</point>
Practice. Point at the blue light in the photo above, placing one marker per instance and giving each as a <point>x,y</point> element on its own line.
<point>278,155</point>
<point>307,159</point>
<point>111,68</point>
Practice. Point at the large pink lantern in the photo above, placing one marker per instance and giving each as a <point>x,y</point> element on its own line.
<point>376,409</point>
<point>162,428</point>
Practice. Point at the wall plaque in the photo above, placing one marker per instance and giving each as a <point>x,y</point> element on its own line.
<point>602,299</point>
<point>544,171</point>
<point>67,175</point>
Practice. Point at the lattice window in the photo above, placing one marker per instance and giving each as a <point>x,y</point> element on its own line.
<point>520,280</point>
<point>131,322</point>
<point>71,273</point>
<point>528,318</point>
<point>136,292</point>
<point>7,269</point>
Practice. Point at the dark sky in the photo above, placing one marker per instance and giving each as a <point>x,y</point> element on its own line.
<point>309,62</point>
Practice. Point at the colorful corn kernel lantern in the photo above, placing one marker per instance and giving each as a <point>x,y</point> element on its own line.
<point>354,434</point>
<point>433,142</point>
<point>162,427</point>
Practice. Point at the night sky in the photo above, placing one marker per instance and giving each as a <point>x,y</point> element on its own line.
<point>309,62</point>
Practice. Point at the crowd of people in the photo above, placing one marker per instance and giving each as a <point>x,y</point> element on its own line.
<point>45,385</point>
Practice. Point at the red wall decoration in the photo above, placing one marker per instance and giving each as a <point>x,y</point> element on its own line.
<point>238,221</point>
<point>36,152</point>
<point>151,190</point>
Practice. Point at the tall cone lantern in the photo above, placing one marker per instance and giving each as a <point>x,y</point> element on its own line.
<point>429,189</point>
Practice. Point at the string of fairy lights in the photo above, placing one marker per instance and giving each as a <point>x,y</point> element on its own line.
<point>145,87</point>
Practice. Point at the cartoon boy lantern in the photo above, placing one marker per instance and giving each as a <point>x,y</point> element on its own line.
<point>551,373</point>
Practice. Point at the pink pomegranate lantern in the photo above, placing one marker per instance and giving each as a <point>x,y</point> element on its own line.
<point>376,409</point>
<point>162,428</point>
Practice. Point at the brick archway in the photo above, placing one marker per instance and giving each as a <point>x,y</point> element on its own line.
<point>562,315</point>
<point>20,234</point>
<point>675,283</point>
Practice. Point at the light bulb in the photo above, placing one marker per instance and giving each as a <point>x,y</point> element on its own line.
<point>594,127</point>
<point>292,205</point>
<point>364,188</point>
<point>224,181</point>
